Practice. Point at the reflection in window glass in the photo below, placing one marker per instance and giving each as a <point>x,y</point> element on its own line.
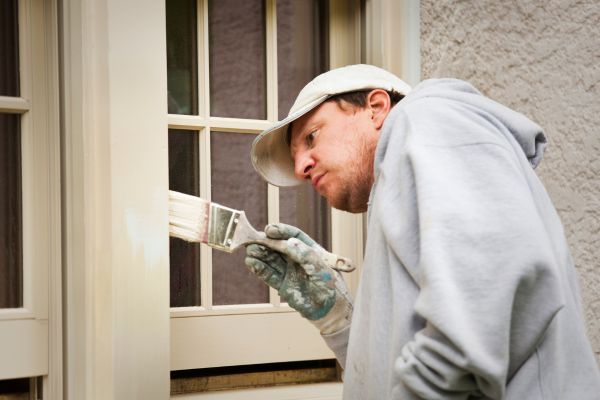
<point>301,55</point>
<point>11,247</point>
<point>236,185</point>
<point>237,59</point>
<point>182,68</point>
<point>9,48</point>
<point>184,257</point>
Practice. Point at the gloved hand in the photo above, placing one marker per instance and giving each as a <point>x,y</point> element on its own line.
<point>302,278</point>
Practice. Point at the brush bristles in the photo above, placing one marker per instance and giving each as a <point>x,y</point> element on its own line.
<point>188,217</point>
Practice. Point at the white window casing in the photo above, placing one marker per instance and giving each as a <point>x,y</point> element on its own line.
<point>393,37</point>
<point>116,254</point>
<point>30,336</point>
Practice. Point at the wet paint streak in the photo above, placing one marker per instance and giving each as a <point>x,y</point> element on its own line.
<point>146,236</point>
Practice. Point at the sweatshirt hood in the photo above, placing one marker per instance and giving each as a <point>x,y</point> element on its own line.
<point>527,133</point>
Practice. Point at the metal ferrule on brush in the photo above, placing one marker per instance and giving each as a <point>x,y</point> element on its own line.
<point>222,224</point>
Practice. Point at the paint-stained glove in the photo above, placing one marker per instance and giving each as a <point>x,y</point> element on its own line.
<point>302,278</point>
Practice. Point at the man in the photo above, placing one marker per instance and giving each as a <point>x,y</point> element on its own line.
<point>468,289</point>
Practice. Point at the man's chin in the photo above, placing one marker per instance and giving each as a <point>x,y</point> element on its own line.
<point>345,204</point>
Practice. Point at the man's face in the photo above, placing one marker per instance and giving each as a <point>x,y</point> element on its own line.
<point>333,146</point>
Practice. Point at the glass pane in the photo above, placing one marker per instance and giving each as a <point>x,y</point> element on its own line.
<point>15,389</point>
<point>182,68</point>
<point>301,55</point>
<point>184,257</point>
<point>301,47</point>
<point>303,207</point>
<point>237,58</point>
<point>236,185</point>
<point>11,247</point>
<point>9,48</point>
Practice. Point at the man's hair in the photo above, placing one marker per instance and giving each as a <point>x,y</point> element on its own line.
<point>358,98</point>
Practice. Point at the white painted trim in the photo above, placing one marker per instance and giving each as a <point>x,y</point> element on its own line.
<point>317,391</point>
<point>272,114</point>
<point>30,343</point>
<point>411,41</point>
<point>347,239</point>
<point>49,41</point>
<point>344,33</point>
<point>116,186</point>
<point>203,68</point>
<point>205,193</point>
<point>77,287</point>
<point>24,348</point>
<point>238,309</point>
<point>271,62</point>
<point>194,122</point>
<point>16,313</point>
<point>244,339</point>
<point>393,37</point>
<point>14,105</point>
<point>273,217</point>
<point>345,48</point>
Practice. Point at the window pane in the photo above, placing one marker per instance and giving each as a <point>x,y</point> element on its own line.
<point>236,185</point>
<point>182,68</point>
<point>303,207</point>
<point>11,264</point>
<point>184,256</point>
<point>301,47</point>
<point>237,59</point>
<point>9,48</point>
<point>301,55</point>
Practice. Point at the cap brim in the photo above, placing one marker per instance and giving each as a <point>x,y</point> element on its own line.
<point>271,153</point>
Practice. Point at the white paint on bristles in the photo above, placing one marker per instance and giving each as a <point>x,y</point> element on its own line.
<point>188,217</point>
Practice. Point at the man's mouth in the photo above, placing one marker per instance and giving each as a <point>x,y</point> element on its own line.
<point>315,180</point>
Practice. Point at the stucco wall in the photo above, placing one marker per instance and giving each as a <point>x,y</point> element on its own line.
<point>543,59</point>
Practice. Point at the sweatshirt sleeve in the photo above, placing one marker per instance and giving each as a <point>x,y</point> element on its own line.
<point>485,266</point>
<point>338,343</point>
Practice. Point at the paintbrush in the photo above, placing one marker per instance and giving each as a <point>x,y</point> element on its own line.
<point>194,219</point>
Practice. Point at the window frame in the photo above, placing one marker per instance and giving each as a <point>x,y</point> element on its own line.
<point>35,328</point>
<point>200,324</point>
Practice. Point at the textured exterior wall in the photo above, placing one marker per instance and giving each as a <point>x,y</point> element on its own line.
<point>541,58</point>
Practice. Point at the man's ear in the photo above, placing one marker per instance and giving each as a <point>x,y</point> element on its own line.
<point>379,104</point>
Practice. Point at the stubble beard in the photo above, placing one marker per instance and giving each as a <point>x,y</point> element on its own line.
<point>356,184</point>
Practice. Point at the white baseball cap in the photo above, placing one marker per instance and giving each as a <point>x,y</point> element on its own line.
<point>270,152</point>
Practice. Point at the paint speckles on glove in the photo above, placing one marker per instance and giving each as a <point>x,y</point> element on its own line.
<point>302,277</point>
<point>299,278</point>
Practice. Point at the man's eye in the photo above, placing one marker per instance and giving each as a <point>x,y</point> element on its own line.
<point>310,138</point>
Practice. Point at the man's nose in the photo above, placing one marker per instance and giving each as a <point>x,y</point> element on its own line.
<point>303,164</point>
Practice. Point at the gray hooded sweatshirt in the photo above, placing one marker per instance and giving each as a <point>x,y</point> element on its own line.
<point>468,290</point>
